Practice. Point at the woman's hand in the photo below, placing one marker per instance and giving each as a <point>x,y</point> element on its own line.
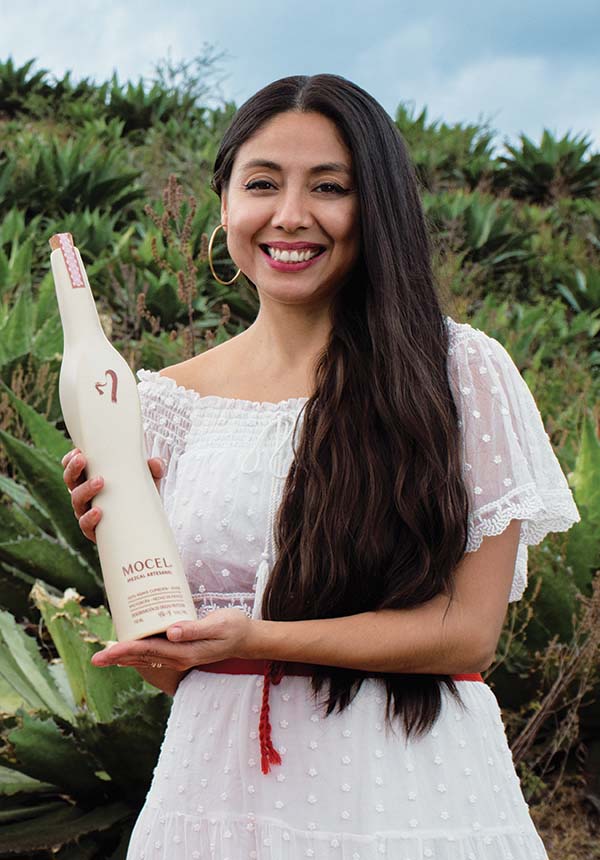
<point>83,490</point>
<point>166,680</point>
<point>220,635</point>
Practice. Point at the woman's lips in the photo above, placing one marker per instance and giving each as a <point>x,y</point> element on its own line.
<point>280,266</point>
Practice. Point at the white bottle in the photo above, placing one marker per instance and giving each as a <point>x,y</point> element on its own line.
<point>143,574</point>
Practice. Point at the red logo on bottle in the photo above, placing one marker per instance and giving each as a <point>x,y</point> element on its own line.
<point>113,388</point>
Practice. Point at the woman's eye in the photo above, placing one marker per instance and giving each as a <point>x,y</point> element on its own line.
<point>258,184</point>
<point>331,188</point>
<point>266,185</point>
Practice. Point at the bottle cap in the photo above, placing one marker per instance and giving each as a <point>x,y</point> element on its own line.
<point>55,240</point>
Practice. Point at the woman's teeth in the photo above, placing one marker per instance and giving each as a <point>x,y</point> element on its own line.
<point>292,256</point>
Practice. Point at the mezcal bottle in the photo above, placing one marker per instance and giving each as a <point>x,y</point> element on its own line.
<point>143,574</point>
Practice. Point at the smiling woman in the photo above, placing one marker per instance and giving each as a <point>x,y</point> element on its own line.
<point>353,482</point>
<point>298,213</point>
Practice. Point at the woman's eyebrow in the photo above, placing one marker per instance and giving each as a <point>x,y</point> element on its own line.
<point>329,166</point>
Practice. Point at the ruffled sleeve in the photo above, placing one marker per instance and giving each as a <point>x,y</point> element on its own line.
<point>166,419</point>
<point>509,465</point>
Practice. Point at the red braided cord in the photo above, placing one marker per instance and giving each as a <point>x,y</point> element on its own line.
<point>273,672</point>
<point>268,754</point>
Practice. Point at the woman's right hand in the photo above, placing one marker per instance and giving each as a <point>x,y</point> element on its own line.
<point>84,489</point>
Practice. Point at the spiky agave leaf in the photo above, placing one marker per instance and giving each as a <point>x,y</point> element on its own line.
<point>26,672</point>
<point>78,632</point>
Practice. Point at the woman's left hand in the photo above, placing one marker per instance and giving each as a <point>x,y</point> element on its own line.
<point>220,635</point>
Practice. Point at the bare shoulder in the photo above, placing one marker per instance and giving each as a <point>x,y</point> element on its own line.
<point>207,371</point>
<point>231,370</point>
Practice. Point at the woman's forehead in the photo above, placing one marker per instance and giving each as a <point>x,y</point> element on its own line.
<point>310,139</point>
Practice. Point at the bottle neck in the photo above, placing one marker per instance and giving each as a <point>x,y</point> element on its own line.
<point>78,313</point>
<point>79,316</point>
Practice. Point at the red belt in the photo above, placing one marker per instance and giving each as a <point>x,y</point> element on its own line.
<point>272,673</point>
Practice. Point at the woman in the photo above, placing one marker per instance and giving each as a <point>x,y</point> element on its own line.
<point>392,466</point>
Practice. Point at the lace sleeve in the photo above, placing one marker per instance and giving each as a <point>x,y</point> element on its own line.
<point>166,419</point>
<point>509,466</point>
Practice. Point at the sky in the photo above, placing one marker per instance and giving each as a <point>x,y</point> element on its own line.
<point>519,66</point>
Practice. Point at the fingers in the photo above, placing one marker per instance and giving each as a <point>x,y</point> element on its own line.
<point>149,653</point>
<point>82,492</point>
<point>74,466</point>
<point>190,631</point>
<point>157,468</point>
<point>89,521</point>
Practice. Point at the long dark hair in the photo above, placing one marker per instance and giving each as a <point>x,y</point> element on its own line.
<point>374,508</point>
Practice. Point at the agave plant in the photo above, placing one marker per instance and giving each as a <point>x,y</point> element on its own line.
<point>534,334</point>
<point>17,84</point>
<point>77,744</point>
<point>446,156</point>
<point>554,169</point>
<point>583,552</point>
<point>16,250</point>
<point>39,536</point>
<point>487,234</point>
<point>138,107</point>
<point>558,601</point>
<point>45,177</point>
<point>582,290</point>
<point>67,99</point>
<point>30,329</point>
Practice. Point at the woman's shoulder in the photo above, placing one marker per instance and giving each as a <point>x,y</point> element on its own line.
<point>470,345</point>
<point>458,332</point>
<point>188,380</point>
<point>199,372</point>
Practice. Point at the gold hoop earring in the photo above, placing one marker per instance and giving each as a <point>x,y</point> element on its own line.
<point>210,262</point>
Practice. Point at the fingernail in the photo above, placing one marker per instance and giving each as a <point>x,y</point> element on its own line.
<point>175,633</point>
<point>96,482</point>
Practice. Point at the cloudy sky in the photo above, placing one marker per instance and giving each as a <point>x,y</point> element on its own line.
<point>523,65</point>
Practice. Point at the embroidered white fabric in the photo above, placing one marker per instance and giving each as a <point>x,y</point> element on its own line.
<point>509,466</point>
<point>346,788</point>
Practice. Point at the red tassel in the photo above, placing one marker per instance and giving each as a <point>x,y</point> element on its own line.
<point>268,753</point>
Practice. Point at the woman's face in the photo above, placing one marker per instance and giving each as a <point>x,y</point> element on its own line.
<point>291,210</point>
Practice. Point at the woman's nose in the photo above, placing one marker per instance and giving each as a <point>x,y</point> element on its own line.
<point>292,211</point>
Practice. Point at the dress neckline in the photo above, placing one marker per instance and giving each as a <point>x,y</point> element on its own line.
<point>289,404</point>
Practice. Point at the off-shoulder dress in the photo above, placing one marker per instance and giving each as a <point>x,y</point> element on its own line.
<point>346,789</point>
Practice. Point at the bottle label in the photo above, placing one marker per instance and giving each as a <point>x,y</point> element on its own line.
<point>166,601</point>
<point>142,567</point>
<point>158,597</point>
<point>70,257</point>
<point>113,388</point>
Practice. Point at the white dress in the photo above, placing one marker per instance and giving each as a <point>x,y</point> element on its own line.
<point>346,789</point>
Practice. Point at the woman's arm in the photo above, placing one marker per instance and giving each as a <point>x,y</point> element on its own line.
<point>437,637</point>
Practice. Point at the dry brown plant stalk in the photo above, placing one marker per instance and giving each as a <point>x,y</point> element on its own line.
<point>515,628</point>
<point>574,666</point>
<point>175,226</point>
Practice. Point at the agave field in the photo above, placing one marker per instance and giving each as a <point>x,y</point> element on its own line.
<point>126,168</point>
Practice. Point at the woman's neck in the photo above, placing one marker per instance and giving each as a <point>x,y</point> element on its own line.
<point>285,344</point>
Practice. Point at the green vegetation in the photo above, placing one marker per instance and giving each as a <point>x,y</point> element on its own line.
<point>125,168</point>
